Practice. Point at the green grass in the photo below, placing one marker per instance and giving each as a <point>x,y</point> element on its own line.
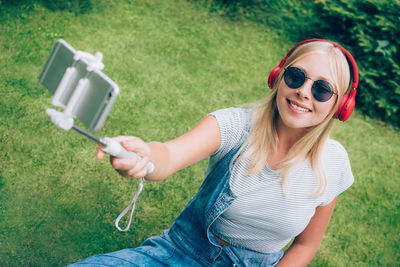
<point>174,63</point>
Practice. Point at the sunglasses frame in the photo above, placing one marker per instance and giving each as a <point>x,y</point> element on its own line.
<point>313,88</point>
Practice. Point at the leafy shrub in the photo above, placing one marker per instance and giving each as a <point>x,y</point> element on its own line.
<point>371,30</point>
<point>77,6</point>
<point>368,29</point>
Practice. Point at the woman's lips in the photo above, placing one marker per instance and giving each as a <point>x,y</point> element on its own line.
<point>298,107</point>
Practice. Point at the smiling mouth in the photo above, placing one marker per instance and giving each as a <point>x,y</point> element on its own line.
<point>296,107</point>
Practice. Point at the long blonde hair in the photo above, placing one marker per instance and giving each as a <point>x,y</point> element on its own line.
<point>263,134</point>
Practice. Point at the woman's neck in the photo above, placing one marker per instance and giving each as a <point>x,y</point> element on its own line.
<point>287,137</point>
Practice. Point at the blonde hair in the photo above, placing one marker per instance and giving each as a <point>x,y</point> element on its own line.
<point>263,136</point>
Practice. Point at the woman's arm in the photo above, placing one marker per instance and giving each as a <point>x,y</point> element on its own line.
<point>304,246</point>
<point>199,143</point>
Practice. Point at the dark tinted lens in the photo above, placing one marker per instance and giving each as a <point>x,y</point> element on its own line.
<point>294,77</point>
<point>322,90</point>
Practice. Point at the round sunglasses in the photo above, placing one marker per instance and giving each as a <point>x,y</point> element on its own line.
<point>321,90</point>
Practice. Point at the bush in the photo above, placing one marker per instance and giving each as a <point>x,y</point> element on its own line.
<point>368,29</point>
<point>77,6</point>
<point>371,30</point>
<point>280,14</point>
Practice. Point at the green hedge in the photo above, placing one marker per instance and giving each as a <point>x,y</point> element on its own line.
<point>368,29</point>
<point>371,29</point>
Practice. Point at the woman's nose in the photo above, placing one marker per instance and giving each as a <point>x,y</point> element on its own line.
<point>304,91</point>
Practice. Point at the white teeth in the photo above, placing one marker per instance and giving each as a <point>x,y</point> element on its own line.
<point>298,108</point>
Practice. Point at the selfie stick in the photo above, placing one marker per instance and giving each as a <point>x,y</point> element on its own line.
<point>65,121</point>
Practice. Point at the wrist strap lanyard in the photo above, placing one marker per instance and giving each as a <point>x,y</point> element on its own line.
<point>131,205</point>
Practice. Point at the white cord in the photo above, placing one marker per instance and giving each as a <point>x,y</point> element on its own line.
<point>131,205</point>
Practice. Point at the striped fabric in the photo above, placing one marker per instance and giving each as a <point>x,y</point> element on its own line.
<point>263,218</point>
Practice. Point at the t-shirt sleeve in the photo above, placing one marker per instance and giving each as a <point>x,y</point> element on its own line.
<point>339,174</point>
<point>232,122</point>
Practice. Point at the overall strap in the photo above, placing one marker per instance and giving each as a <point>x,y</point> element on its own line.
<point>190,230</point>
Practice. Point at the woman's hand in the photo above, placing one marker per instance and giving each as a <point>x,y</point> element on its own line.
<point>132,167</point>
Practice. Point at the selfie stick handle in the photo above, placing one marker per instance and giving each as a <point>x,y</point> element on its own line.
<point>112,147</point>
<point>115,149</point>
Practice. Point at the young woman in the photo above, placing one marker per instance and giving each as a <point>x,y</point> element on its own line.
<point>274,174</point>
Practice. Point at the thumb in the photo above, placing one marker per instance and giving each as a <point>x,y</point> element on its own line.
<point>138,146</point>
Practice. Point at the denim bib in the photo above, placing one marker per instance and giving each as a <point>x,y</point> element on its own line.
<point>191,229</point>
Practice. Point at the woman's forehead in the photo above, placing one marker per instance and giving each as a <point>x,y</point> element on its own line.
<point>317,66</point>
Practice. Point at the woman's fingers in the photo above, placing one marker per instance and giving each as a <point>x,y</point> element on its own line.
<point>131,167</point>
<point>140,169</point>
<point>100,153</point>
<point>136,145</point>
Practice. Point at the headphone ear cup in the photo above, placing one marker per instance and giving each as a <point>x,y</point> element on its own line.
<point>339,110</point>
<point>273,75</point>
<point>346,107</point>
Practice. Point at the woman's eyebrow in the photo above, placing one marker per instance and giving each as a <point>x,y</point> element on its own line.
<point>319,77</point>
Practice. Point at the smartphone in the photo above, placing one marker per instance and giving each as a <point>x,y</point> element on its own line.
<point>86,94</point>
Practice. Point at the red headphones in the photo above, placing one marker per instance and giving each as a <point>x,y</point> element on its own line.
<point>348,101</point>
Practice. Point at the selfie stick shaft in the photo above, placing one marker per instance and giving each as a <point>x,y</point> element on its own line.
<point>88,135</point>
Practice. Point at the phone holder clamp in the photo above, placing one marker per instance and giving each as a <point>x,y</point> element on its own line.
<point>94,62</point>
<point>62,120</point>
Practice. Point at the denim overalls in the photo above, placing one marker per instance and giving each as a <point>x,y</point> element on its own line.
<point>189,242</point>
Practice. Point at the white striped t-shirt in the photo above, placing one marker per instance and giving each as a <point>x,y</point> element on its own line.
<point>262,218</point>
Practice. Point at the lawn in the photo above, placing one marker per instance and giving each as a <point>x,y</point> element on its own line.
<point>174,63</point>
